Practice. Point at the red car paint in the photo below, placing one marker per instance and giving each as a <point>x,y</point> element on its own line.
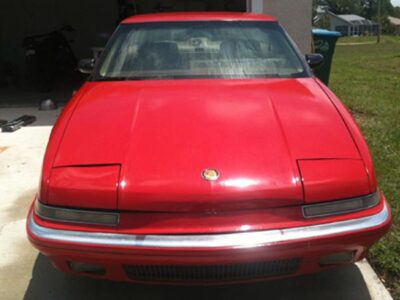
<point>96,183</point>
<point>329,179</point>
<point>202,120</point>
<point>139,147</point>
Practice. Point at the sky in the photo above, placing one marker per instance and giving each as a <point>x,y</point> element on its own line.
<point>396,2</point>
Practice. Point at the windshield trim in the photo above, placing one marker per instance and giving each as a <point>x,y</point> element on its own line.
<point>307,73</point>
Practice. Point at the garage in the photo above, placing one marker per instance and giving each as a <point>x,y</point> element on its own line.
<point>143,6</point>
<point>43,40</point>
<point>85,25</point>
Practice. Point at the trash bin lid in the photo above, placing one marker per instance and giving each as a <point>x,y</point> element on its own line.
<point>324,32</point>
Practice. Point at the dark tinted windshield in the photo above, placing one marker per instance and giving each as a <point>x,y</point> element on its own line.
<point>199,50</point>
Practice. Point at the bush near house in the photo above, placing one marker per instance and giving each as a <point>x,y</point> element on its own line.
<point>366,78</point>
<point>323,22</point>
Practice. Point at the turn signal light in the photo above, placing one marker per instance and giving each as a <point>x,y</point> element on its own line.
<point>76,215</point>
<point>341,207</point>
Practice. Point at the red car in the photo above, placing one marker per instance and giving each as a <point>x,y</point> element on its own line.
<point>203,149</point>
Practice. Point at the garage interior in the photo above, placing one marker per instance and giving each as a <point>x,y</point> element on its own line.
<point>84,25</point>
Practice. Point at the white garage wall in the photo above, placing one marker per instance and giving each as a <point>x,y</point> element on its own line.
<point>296,17</point>
<point>256,6</point>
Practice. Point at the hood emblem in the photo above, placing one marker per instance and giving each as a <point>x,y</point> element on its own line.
<point>210,174</point>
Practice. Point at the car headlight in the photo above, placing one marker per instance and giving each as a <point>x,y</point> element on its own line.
<point>76,215</point>
<point>341,206</point>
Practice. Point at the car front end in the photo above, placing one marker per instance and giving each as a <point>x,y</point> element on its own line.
<point>202,150</point>
<point>257,250</point>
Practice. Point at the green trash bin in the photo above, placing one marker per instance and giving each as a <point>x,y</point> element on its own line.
<point>325,43</point>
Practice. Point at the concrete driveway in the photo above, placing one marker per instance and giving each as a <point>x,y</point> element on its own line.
<point>25,274</point>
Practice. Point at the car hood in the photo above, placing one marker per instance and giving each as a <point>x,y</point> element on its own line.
<point>163,134</point>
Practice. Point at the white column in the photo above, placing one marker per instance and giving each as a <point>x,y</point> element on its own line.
<point>295,16</point>
<point>255,6</point>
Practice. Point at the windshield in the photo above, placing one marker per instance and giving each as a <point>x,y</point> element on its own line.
<point>221,49</point>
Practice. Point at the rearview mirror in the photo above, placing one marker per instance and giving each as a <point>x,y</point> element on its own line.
<point>86,66</point>
<point>314,60</point>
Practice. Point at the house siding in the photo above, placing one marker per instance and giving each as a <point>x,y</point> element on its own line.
<point>295,16</point>
<point>339,25</point>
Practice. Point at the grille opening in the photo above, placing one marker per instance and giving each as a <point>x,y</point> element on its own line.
<point>229,272</point>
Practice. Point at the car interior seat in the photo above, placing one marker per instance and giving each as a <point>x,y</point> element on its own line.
<point>158,56</point>
<point>237,49</point>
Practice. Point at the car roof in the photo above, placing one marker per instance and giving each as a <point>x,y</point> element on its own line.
<point>197,16</point>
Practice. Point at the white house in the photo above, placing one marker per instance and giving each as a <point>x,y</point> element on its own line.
<point>349,25</point>
<point>395,22</point>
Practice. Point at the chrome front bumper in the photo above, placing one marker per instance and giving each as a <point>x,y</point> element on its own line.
<point>210,241</point>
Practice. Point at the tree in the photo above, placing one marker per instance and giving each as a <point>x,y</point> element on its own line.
<point>370,11</point>
<point>323,22</point>
<point>315,4</point>
<point>396,12</point>
<point>366,8</point>
<point>370,8</point>
<point>341,7</point>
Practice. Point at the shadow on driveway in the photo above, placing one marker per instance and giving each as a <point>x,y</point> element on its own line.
<point>343,283</point>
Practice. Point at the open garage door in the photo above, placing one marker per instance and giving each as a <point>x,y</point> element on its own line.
<point>132,7</point>
<point>35,66</point>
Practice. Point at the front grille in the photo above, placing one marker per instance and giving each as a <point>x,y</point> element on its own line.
<point>212,273</point>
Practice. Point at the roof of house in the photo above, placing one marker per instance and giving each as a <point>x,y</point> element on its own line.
<point>197,16</point>
<point>394,21</point>
<point>353,19</point>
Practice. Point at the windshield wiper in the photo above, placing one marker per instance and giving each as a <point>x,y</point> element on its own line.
<point>170,77</point>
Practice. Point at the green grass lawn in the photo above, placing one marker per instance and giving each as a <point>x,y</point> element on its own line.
<point>366,39</point>
<point>367,79</point>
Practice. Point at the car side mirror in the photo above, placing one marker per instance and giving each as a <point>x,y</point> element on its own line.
<point>86,66</point>
<point>314,60</point>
